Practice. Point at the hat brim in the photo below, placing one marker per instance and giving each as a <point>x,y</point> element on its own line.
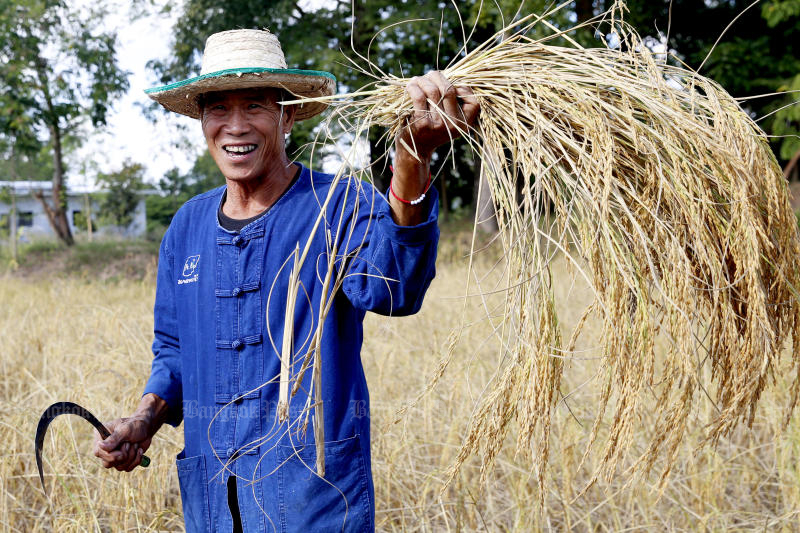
<point>181,97</point>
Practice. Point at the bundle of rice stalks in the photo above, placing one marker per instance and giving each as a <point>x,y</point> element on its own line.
<point>666,197</point>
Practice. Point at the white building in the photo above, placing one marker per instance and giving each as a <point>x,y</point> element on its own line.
<point>32,219</point>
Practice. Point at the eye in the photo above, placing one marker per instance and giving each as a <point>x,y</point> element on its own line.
<point>255,106</point>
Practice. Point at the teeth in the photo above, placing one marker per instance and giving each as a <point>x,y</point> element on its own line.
<point>241,149</point>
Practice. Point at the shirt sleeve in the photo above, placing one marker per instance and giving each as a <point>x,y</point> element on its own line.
<point>391,266</point>
<point>165,374</point>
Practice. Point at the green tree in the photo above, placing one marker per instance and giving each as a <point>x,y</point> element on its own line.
<point>57,71</point>
<point>26,166</point>
<point>784,16</point>
<point>120,194</point>
<point>16,166</point>
<point>402,38</point>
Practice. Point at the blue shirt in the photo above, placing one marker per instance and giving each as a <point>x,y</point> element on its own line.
<point>221,299</point>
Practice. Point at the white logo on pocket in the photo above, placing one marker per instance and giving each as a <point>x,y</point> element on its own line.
<point>190,269</point>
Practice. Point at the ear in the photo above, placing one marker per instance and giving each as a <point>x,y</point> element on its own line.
<point>289,112</point>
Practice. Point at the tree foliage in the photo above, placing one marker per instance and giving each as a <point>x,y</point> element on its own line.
<point>120,194</point>
<point>28,166</point>
<point>58,71</point>
<point>402,38</point>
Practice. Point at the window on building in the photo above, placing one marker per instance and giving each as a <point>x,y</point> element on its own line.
<point>25,219</point>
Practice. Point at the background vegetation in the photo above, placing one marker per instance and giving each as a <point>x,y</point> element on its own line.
<point>758,55</point>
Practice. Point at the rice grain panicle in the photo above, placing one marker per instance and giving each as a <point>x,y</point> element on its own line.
<point>665,196</point>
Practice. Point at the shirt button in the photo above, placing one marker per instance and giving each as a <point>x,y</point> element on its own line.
<point>237,241</point>
<point>237,344</point>
<point>231,451</point>
<point>236,292</point>
<point>238,399</point>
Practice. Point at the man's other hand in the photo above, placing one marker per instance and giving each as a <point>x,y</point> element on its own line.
<point>124,448</point>
<point>130,437</point>
<point>442,112</point>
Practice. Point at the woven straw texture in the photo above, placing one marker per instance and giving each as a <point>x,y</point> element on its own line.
<point>243,59</point>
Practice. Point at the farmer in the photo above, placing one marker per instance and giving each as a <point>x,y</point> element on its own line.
<point>223,275</point>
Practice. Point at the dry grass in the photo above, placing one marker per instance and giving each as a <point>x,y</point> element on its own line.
<point>86,342</point>
<point>89,342</point>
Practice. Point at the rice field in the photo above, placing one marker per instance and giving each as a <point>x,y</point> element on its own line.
<point>87,341</point>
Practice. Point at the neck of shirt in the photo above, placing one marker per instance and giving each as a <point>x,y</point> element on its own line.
<point>237,224</point>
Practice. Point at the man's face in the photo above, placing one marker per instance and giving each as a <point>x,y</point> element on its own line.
<point>244,130</point>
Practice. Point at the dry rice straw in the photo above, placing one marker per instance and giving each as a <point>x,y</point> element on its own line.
<point>666,197</point>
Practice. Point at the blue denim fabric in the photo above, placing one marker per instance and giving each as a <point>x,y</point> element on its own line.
<point>219,314</point>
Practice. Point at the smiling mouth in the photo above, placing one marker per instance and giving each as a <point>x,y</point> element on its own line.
<point>239,149</point>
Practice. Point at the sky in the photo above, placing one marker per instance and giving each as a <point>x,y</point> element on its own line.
<point>129,135</point>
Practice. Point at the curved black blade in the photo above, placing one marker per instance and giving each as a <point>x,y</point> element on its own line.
<point>62,408</point>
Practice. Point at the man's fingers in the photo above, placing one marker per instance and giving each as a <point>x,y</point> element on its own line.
<point>123,456</point>
<point>417,95</point>
<point>106,456</point>
<point>119,434</point>
<point>130,460</point>
<point>136,461</point>
<point>110,459</point>
<point>433,96</point>
<point>469,104</point>
<point>115,451</point>
<point>448,100</point>
<point>441,112</point>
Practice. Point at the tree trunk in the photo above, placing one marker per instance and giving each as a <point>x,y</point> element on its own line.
<point>56,213</point>
<point>12,226</point>
<point>445,202</point>
<point>88,211</point>
<point>381,174</point>
<point>61,224</point>
<point>791,166</point>
<point>12,215</point>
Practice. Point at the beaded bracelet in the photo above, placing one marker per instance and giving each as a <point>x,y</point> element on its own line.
<point>409,202</point>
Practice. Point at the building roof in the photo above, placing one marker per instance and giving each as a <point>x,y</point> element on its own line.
<point>27,187</point>
<point>24,188</point>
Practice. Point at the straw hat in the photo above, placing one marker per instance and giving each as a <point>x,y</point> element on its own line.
<point>243,59</point>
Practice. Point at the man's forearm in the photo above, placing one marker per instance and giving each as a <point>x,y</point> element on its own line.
<point>153,411</point>
<point>409,181</point>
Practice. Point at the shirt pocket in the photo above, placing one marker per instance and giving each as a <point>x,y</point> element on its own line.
<point>194,493</point>
<point>339,502</point>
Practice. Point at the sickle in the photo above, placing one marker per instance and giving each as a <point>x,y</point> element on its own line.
<point>67,408</point>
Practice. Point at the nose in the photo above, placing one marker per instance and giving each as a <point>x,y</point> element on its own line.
<point>237,122</point>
